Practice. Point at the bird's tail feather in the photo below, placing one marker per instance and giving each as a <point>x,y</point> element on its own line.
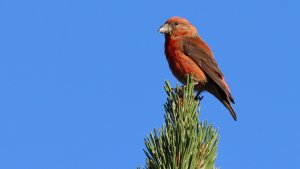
<point>224,99</point>
<point>228,106</point>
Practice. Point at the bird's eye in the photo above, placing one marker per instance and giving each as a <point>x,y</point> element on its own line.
<point>176,23</point>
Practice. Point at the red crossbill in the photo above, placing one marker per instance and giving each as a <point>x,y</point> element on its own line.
<point>187,53</point>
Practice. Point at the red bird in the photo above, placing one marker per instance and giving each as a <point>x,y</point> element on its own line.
<point>187,53</point>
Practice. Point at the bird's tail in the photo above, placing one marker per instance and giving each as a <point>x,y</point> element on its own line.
<point>228,106</point>
<point>225,99</point>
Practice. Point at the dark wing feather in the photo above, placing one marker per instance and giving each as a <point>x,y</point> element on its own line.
<point>203,57</point>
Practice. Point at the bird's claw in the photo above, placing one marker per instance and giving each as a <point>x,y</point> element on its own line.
<point>198,97</point>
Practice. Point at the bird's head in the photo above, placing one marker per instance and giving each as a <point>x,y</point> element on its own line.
<point>177,27</point>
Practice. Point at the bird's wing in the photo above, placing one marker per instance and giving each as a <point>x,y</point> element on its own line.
<point>196,49</point>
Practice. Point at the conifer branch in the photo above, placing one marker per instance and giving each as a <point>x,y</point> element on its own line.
<point>183,142</point>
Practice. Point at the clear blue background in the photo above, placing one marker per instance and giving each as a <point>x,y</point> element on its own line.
<point>82,81</point>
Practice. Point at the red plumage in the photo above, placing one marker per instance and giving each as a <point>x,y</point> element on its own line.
<point>187,53</point>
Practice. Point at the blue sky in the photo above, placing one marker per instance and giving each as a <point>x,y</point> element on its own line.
<point>82,81</point>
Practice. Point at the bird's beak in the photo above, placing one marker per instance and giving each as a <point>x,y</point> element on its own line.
<point>165,29</point>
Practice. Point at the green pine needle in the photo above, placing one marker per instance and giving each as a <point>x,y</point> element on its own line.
<point>183,142</point>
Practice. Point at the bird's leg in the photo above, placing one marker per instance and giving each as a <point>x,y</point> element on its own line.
<point>198,97</point>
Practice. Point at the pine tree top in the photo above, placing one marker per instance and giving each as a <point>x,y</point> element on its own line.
<point>182,142</point>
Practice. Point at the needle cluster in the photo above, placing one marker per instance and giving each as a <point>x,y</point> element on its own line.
<point>182,142</point>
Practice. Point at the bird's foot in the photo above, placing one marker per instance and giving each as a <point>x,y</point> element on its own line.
<point>198,97</point>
